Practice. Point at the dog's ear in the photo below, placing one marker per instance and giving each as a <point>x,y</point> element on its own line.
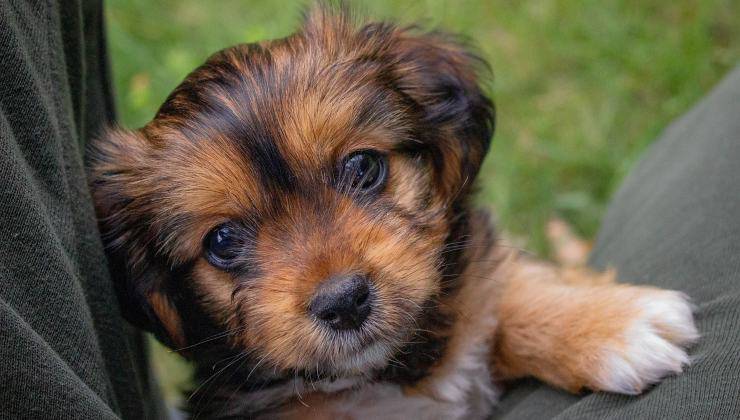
<point>121,181</point>
<point>443,79</point>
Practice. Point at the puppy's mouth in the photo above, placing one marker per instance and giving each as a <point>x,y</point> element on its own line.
<point>358,351</point>
<point>351,370</point>
<point>363,350</point>
<point>360,363</point>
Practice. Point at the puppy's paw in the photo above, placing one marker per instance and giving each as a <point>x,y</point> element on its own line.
<point>652,346</point>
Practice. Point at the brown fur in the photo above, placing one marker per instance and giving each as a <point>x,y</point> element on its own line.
<point>549,319</point>
<point>254,138</point>
<point>168,316</point>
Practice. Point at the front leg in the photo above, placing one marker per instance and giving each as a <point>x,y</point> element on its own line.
<point>577,329</point>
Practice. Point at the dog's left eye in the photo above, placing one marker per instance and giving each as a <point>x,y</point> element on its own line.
<point>364,171</point>
<point>221,246</point>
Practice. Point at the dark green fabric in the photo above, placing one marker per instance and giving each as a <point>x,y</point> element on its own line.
<point>675,223</point>
<point>65,350</point>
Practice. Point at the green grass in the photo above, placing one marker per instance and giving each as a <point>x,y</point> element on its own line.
<point>581,87</point>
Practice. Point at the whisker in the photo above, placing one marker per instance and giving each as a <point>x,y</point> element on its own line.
<point>212,377</point>
<point>211,338</point>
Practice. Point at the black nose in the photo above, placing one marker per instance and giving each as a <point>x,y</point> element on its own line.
<point>342,302</point>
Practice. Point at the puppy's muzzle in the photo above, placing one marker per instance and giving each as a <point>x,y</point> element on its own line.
<point>342,302</point>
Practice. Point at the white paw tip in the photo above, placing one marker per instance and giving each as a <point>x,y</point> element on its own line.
<point>654,344</point>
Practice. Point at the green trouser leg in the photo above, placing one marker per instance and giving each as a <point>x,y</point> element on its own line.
<point>65,352</point>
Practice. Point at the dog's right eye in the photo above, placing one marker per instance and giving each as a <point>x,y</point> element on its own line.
<point>364,171</point>
<point>221,246</point>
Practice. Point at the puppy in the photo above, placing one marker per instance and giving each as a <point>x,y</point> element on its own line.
<point>297,221</point>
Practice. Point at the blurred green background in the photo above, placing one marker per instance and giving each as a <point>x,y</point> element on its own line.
<point>581,87</point>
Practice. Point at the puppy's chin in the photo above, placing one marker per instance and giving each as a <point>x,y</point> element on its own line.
<point>356,353</point>
<point>363,362</point>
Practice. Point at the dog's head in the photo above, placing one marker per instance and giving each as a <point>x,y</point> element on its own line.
<point>306,195</point>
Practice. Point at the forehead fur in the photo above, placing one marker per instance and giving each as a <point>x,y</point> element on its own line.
<point>300,95</point>
<point>333,85</point>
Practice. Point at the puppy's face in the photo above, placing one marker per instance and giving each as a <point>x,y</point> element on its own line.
<point>299,194</point>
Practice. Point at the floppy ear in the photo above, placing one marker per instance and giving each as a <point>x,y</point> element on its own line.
<point>120,179</point>
<point>443,78</point>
